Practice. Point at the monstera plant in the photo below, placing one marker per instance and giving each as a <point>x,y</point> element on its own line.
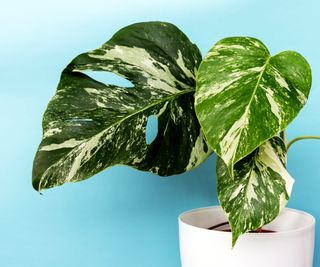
<point>236,102</point>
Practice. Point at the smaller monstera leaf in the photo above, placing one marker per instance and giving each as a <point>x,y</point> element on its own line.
<point>89,126</point>
<point>245,96</point>
<point>259,190</point>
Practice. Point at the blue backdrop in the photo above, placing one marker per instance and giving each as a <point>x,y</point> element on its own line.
<point>122,217</point>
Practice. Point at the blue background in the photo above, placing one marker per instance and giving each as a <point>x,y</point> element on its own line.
<point>124,217</point>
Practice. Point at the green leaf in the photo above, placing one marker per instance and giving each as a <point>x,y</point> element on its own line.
<point>89,126</point>
<point>260,188</point>
<point>244,96</point>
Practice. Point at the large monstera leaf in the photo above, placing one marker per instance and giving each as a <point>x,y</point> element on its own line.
<point>245,96</point>
<point>260,188</point>
<point>89,126</point>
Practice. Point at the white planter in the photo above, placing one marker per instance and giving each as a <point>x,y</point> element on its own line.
<point>290,246</point>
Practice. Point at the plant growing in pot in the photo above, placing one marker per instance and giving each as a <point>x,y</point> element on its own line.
<point>236,102</point>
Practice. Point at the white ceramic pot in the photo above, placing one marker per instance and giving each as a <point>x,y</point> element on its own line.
<point>291,245</point>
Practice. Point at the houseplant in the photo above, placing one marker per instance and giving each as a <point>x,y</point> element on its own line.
<point>236,103</point>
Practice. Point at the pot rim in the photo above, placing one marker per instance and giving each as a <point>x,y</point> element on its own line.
<point>301,229</point>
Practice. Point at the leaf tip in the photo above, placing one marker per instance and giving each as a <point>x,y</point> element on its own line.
<point>36,183</point>
<point>235,237</point>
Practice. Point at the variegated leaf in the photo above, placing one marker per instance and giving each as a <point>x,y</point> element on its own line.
<point>260,188</point>
<point>89,126</point>
<point>244,96</point>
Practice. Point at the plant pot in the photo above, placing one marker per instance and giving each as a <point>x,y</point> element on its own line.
<point>291,245</point>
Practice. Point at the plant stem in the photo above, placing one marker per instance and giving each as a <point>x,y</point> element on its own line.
<point>283,136</point>
<point>301,138</point>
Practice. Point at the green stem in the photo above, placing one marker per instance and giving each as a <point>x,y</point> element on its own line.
<point>301,138</point>
<point>283,136</point>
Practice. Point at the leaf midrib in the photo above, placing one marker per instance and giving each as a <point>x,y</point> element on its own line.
<point>249,104</point>
<point>247,184</point>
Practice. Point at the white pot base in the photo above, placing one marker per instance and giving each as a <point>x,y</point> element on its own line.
<point>291,245</point>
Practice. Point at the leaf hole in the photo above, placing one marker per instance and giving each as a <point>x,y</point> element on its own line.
<point>151,129</point>
<point>109,78</point>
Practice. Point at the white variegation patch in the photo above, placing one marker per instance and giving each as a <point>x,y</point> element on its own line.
<point>221,46</point>
<point>270,159</point>
<point>92,91</point>
<point>301,96</point>
<point>281,81</point>
<point>136,57</point>
<point>198,154</point>
<point>210,90</point>
<point>250,190</point>
<point>137,160</point>
<point>275,108</point>
<point>76,163</point>
<point>181,64</point>
<point>84,152</point>
<point>66,144</point>
<point>236,192</point>
<point>51,132</point>
<point>231,139</point>
<point>160,112</point>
